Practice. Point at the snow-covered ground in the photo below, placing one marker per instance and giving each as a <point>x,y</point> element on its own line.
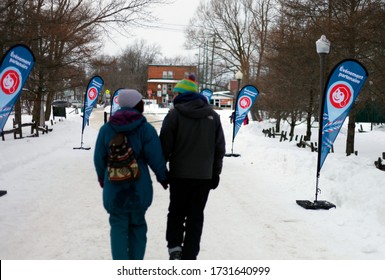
<point>53,207</point>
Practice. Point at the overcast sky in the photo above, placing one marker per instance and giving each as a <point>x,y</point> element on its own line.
<point>169,36</point>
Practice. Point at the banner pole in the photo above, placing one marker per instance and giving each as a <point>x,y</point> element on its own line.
<point>317,190</point>
<point>81,141</point>
<point>234,118</point>
<point>232,140</point>
<point>320,121</point>
<point>84,116</point>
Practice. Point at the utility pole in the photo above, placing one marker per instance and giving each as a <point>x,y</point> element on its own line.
<point>212,65</point>
<point>206,62</point>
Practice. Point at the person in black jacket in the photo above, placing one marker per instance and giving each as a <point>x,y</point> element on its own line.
<point>194,146</point>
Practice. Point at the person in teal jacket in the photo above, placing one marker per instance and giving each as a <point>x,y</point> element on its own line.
<point>127,202</point>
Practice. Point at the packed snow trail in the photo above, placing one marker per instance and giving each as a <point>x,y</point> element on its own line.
<point>53,208</point>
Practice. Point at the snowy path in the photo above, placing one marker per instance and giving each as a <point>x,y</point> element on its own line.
<point>53,208</point>
<point>51,211</point>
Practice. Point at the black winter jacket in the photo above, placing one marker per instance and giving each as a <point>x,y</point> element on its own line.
<point>192,139</point>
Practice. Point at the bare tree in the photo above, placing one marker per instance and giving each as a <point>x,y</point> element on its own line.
<point>65,34</point>
<point>355,29</point>
<point>236,31</point>
<point>128,70</point>
<point>358,33</point>
<point>291,75</point>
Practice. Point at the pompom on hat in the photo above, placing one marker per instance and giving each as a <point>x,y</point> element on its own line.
<point>129,98</point>
<point>186,85</point>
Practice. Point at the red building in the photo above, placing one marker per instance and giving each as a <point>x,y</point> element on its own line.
<point>163,78</point>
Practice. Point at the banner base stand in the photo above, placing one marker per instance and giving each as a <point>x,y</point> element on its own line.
<point>82,148</point>
<point>3,193</point>
<point>316,205</point>
<point>232,155</point>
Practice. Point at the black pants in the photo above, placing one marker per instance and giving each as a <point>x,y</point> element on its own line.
<point>188,199</point>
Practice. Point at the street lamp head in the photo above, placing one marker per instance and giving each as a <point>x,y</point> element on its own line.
<point>323,45</point>
<point>239,75</point>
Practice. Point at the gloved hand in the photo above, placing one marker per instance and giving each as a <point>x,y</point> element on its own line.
<point>214,182</point>
<point>164,184</point>
<point>101,183</point>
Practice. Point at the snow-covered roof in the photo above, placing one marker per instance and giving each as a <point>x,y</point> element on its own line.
<point>163,81</point>
<point>223,94</point>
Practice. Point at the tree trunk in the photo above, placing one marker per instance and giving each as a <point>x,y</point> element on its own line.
<point>48,107</point>
<point>18,119</point>
<point>37,108</point>
<point>278,123</point>
<point>255,113</point>
<point>293,116</point>
<point>351,132</point>
<point>308,118</point>
<point>292,127</point>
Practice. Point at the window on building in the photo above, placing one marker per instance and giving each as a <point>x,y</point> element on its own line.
<point>169,87</point>
<point>170,75</point>
<point>164,75</point>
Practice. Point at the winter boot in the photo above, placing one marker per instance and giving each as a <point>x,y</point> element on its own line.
<point>175,253</point>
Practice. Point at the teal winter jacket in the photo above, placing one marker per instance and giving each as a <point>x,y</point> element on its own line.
<point>136,196</point>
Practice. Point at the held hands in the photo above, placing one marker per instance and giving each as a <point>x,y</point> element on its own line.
<point>164,184</point>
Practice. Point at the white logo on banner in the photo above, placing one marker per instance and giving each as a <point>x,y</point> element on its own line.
<point>10,83</point>
<point>339,98</point>
<point>244,104</point>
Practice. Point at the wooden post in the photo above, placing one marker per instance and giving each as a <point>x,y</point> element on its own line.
<point>312,147</point>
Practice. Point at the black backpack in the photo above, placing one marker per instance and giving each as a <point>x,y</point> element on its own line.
<point>122,165</point>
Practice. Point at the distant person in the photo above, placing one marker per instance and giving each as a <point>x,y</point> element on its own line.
<point>194,145</point>
<point>246,120</point>
<point>127,202</point>
<point>232,116</point>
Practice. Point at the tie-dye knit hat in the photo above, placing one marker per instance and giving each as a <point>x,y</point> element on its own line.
<point>186,85</point>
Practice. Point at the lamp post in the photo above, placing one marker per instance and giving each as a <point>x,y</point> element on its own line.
<point>323,49</point>
<point>238,77</point>
<point>159,93</point>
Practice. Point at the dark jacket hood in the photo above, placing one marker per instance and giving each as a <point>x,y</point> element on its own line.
<point>192,105</point>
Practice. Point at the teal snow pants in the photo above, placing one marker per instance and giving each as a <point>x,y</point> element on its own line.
<point>128,235</point>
